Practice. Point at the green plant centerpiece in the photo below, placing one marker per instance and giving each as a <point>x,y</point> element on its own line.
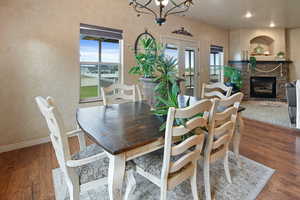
<point>146,60</point>
<point>160,70</point>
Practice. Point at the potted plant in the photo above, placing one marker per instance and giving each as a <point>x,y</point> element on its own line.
<point>280,55</point>
<point>146,66</point>
<point>233,78</point>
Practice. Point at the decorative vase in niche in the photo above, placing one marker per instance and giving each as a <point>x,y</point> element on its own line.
<point>259,50</point>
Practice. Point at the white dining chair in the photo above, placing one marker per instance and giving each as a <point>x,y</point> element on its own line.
<point>93,158</point>
<point>178,162</point>
<point>120,93</point>
<point>215,90</point>
<point>221,129</point>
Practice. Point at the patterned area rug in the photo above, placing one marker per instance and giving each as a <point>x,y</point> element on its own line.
<point>247,183</point>
<point>267,111</point>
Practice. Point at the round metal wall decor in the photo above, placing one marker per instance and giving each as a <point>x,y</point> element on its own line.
<point>144,35</point>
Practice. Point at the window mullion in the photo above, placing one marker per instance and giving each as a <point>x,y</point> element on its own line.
<point>99,71</point>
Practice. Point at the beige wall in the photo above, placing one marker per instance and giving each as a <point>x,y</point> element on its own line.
<point>240,40</point>
<point>39,55</point>
<point>293,41</point>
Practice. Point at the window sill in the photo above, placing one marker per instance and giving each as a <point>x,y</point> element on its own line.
<point>82,101</point>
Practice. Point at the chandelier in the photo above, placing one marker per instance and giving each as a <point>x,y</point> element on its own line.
<point>165,8</point>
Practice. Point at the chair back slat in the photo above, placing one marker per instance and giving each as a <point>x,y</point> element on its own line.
<point>190,125</point>
<point>120,91</point>
<point>223,128</point>
<point>215,90</point>
<point>187,152</point>
<point>191,111</point>
<point>186,144</point>
<point>184,160</point>
<point>221,141</point>
<point>226,113</point>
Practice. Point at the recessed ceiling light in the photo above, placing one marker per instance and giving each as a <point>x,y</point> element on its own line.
<point>248,15</point>
<point>272,24</point>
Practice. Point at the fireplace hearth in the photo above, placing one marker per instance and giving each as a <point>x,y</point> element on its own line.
<point>263,87</point>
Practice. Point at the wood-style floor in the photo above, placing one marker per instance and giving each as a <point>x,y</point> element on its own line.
<point>26,174</point>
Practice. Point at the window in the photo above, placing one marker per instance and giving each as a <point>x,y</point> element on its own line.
<point>216,63</point>
<point>189,70</point>
<point>100,60</point>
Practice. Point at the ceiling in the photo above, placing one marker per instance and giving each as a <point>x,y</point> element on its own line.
<point>231,13</point>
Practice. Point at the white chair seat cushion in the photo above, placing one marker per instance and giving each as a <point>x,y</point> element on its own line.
<point>92,171</point>
<point>95,170</point>
<point>152,162</point>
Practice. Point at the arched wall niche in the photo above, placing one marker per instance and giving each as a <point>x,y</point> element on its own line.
<point>262,45</point>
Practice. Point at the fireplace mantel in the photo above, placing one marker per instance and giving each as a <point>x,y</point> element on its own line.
<point>261,61</point>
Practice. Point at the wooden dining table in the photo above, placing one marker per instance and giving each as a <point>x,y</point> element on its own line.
<point>126,131</point>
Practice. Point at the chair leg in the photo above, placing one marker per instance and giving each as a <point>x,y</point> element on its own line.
<point>226,168</point>
<point>74,191</point>
<point>131,184</point>
<point>206,180</point>
<point>163,192</point>
<point>194,184</point>
<point>81,139</point>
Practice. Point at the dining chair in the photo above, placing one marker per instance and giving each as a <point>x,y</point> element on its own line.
<point>178,162</point>
<point>220,131</point>
<point>215,90</point>
<point>120,93</point>
<point>78,169</point>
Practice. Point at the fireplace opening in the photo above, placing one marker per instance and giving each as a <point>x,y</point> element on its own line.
<point>263,87</point>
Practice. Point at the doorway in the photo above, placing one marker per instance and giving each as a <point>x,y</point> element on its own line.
<point>187,55</point>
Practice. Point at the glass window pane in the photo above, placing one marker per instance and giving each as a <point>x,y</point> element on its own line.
<point>187,61</point>
<point>109,74</point>
<point>89,51</point>
<point>222,59</point>
<point>89,81</point>
<point>217,59</point>
<point>193,61</point>
<point>171,51</point>
<point>212,59</point>
<point>110,51</point>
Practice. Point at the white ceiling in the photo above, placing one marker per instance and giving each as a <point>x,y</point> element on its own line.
<point>231,13</point>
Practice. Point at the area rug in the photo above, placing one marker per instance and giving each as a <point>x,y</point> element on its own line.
<point>247,183</point>
<point>267,111</point>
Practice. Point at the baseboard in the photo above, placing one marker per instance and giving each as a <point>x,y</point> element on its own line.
<point>20,145</point>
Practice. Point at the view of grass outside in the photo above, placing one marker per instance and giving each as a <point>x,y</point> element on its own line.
<point>88,92</point>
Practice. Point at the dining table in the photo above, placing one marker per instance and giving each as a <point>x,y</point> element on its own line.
<point>128,130</point>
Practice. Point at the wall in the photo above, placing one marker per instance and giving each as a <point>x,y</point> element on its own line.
<point>240,40</point>
<point>39,55</point>
<point>293,41</point>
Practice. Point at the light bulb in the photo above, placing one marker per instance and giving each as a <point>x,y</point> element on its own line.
<point>162,2</point>
<point>272,24</point>
<point>248,15</point>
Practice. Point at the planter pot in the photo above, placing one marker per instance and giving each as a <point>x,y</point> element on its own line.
<point>148,85</point>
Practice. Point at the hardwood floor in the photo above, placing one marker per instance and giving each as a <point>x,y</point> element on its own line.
<point>26,173</point>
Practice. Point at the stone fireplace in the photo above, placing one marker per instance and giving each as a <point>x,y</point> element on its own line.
<point>267,80</point>
<point>259,85</point>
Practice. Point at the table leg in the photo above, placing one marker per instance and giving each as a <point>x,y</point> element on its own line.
<point>116,175</point>
<point>237,137</point>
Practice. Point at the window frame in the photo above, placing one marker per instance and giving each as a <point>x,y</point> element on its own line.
<point>213,67</point>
